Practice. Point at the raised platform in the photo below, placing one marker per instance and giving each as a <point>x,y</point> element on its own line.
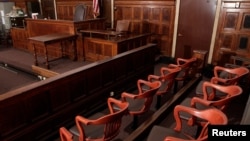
<point>25,61</point>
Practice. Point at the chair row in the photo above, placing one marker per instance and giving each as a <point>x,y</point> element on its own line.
<point>106,127</point>
<point>134,104</point>
<point>137,104</point>
<point>206,107</point>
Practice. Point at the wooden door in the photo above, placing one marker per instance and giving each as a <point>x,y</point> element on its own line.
<point>195,26</point>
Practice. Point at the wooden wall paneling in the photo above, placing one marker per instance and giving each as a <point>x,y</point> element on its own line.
<point>19,38</point>
<point>48,9</point>
<point>94,80</point>
<point>108,50</point>
<point>120,72</point>
<point>78,87</point>
<point>108,75</point>
<point>13,121</point>
<point>158,14</point>
<point>38,100</point>
<point>231,34</point>
<point>60,95</point>
<point>65,9</point>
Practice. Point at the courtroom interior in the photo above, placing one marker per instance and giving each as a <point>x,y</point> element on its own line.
<point>122,70</point>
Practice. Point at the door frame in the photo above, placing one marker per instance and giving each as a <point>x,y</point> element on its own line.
<point>216,20</point>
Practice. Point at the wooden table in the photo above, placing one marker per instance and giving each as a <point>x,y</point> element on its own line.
<point>102,32</point>
<point>45,40</point>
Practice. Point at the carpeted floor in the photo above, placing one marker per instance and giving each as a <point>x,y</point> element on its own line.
<point>16,68</point>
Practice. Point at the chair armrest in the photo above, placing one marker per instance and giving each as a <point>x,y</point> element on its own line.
<point>125,95</point>
<point>173,65</point>
<point>217,80</point>
<point>83,120</point>
<point>196,100</point>
<point>64,133</point>
<point>219,69</point>
<point>153,77</point>
<point>115,104</point>
<point>140,83</point>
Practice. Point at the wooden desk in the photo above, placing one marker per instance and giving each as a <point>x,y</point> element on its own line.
<point>102,32</point>
<point>45,40</point>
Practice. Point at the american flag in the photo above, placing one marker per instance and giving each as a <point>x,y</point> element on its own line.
<point>96,9</point>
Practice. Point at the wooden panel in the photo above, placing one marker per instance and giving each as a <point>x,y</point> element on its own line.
<point>233,30</point>
<point>19,38</point>
<point>158,14</point>
<point>37,100</point>
<point>99,48</point>
<point>65,9</point>
<point>48,9</point>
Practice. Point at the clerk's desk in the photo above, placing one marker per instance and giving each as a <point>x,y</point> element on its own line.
<point>101,44</point>
<point>45,40</point>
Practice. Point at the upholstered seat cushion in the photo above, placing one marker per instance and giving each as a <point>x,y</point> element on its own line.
<point>135,104</point>
<point>159,133</point>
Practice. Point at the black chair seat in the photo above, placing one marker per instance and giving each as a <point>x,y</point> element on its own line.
<point>92,131</point>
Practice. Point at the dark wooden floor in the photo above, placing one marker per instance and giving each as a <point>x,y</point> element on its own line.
<point>24,60</point>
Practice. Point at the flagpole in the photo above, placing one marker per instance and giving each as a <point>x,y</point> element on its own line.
<point>112,14</point>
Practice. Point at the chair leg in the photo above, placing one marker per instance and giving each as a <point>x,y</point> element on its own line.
<point>158,102</point>
<point>175,86</point>
<point>199,128</point>
<point>135,122</point>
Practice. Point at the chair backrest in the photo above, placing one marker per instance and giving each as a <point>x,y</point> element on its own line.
<point>145,93</point>
<point>204,117</point>
<point>112,121</point>
<point>227,94</point>
<point>65,135</point>
<point>80,13</point>
<point>167,78</point>
<point>185,65</point>
<point>122,26</point>
<point>228,76</point>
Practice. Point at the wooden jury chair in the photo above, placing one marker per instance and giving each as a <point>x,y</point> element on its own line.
<point>105,127</point>
<point>206,117</point>
<point>186,66</point>
<point>224,76</point>
<point>167,78</point>
<point>141,102</point>
<point>211,99</point>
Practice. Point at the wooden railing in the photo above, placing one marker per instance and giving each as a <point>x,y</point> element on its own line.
<point>36,111</point>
